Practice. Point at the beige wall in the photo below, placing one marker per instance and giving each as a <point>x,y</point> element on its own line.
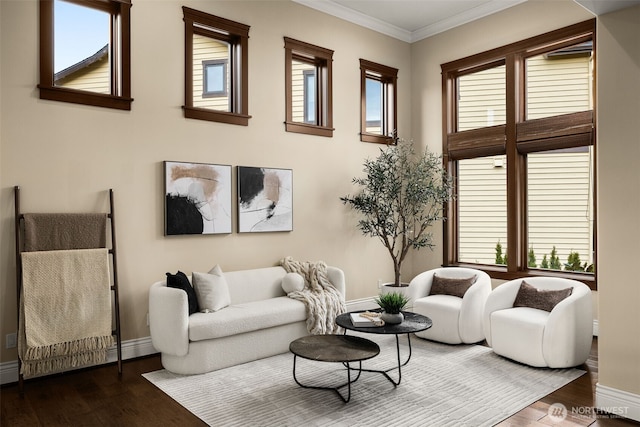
<point>66,156</point>
<point>618,95</point>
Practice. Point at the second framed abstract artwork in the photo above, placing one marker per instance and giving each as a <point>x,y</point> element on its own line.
<point>265,199</point>
<point>197,198</point>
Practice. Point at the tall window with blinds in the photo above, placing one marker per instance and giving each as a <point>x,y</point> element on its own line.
<point>519,139</point>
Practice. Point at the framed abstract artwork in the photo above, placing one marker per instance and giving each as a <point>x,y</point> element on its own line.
<point>265,199</point>
<point>197,198</point>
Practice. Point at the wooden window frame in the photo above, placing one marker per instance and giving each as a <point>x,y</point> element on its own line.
<point>388,77</point>
<point>237,35</point>
<point>515,139</point>
<point>120,54</point>
<point>322,59</point>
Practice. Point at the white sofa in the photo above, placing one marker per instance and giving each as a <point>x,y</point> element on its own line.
<point>260,322</point>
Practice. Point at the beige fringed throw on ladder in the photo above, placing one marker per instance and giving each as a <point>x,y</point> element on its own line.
<point>65,310</point>
<point>324,302</point>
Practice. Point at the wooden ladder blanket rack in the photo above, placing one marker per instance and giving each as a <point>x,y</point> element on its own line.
<point>80,259</point>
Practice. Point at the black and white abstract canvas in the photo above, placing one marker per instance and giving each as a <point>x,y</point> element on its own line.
<point>265,199</point>
<point>197,198</point>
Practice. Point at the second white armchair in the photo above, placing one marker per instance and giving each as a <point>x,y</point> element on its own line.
<point>541,326</point>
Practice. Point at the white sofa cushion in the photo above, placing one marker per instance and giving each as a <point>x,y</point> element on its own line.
<point>515,329</point>
<point>255,284</point>
<point>211,289</point>
<point>246,317</point>
<point>444,308</point>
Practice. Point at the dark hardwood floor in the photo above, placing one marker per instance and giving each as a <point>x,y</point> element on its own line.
<point>579,394</point>
<point>99,397</point>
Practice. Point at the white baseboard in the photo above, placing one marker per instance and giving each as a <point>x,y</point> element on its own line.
<point>618,402</point>
<point>595,327</point>
<point>361,304</point>
<point>367,304</point>
<point>9,372</point>
<point>130,350</point>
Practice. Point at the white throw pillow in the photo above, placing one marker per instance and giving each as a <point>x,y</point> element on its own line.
<point>211,289</point>
<point>292,282</point>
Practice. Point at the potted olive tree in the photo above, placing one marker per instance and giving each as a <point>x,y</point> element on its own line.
<point>400,197</point>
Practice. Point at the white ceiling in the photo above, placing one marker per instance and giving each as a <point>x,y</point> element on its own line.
<point>413,20</point>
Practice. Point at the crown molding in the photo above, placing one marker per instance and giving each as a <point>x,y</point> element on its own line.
<point>465,17</point>
<point>358,18</point>
<point>355,17</point>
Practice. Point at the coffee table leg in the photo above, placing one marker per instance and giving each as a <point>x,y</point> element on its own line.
<point>336,389</point>
<point>409,342</point>
<point>386,371</point>
<point>400,364</point>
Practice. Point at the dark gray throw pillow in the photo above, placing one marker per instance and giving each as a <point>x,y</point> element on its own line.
<point>181,281</point>
<point>456,286</point>
<point>542,299</point>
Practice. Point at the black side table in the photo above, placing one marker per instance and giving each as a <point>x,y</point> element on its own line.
<point>334,348</point>
<point>412,323</point>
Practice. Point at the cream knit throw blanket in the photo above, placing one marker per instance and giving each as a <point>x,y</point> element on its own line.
<point>65,310</point>
<point>324,302</point>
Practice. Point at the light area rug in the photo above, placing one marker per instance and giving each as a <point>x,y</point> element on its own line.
<point>442,385</point>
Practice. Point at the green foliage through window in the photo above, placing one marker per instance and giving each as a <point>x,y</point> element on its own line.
<point>551,262</point>
<point>532,258</point>
<point>500,260</point>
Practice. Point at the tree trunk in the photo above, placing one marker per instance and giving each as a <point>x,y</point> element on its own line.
<point>396,270</point>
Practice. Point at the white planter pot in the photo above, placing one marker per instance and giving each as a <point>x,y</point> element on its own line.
<point>405,290</point>
<point>392,319</point>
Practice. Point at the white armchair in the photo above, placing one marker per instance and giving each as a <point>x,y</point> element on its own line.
<point>455,319</point>
<point>559,338</point>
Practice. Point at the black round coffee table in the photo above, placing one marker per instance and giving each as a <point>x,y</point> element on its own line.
<point>413,322</point>
<point>334,348</point>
